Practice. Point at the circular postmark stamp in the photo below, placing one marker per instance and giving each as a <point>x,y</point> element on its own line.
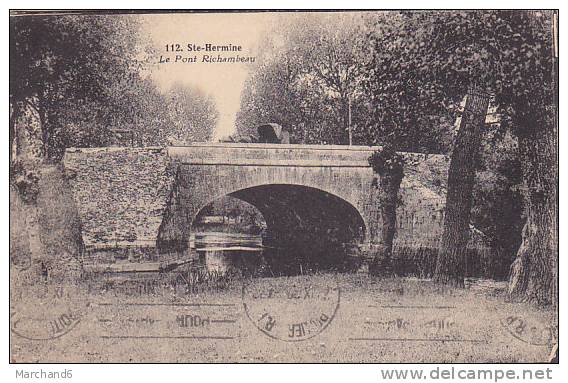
<point>290,309</point>
<point>530,331</point>
<point>46,311</point>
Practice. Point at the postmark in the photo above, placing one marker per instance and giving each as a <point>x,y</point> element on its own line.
<point>43,311</point>
<point>530,331</point>
<point>288,310</point>
<point>183,305</point>
<point>166,320</point>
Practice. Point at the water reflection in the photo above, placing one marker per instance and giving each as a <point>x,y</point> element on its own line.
<point>245,254</point>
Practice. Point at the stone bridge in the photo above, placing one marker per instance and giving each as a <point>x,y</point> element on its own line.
<point>311,195</point>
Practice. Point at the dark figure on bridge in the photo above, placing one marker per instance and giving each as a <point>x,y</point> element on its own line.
<point>269,133</point>
<point>273,134</point>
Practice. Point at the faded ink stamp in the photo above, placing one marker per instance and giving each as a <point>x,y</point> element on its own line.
<point>290,311</point>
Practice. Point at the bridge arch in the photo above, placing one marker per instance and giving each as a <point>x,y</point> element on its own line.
<point>258,193</point>
<point>300,209</point>
<point>303,222</point>
<point>294,204</point>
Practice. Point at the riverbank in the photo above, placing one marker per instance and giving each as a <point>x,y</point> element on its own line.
<point>360,319</point>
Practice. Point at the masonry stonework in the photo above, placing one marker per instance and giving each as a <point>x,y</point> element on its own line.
<point>120,193</point>
<point>148,197</point>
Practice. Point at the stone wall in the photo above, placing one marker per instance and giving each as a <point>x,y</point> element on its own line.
<point>141,197</point>
<point>120,193</point>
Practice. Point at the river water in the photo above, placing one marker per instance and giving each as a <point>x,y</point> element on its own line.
<point>245,254</point>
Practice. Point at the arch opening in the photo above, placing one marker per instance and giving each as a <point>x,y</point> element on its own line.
<point>300,230</point>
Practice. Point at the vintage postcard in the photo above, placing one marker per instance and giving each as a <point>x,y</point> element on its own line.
<point>261,186</point>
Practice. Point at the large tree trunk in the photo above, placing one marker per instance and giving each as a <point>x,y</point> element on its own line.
<point>450,265</point>
<point>534,272</point>
<point>382,262</point>
<point>389,166</point>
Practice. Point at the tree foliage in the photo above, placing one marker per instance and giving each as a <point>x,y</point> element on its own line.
<point>86,77</point>
<point>65,66</point>
<point>192,113</point>
<point>425,61</point>
<point>309,74</point>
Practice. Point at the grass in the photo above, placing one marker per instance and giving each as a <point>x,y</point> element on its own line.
<point>377,320</point>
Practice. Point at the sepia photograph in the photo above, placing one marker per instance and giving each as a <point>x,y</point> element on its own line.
<point>260,186</point>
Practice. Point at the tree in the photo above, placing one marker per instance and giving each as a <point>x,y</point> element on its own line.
<point>450,264</point>
<point>63,63</point>
<point>331,48</point>
<point>137,107</point>
<point>426,60</point>
<point>389,165</point>
<point>534,274</point>
<point>192,113</point>
<point>278,90</point>
<point>308,80</point>
<point>271,94</point>
<point>408,104</point>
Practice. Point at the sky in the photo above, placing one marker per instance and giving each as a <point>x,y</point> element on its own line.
<point>224,81</point>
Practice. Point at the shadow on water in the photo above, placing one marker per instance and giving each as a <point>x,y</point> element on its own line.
<point>245,255</point>
<point>220,259</point>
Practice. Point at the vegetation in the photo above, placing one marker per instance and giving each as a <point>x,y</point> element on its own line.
<point>401,80</point>
<point>192,113</point>
<point>75,80</point>
<point>389,165</point>
<point>80,81</point>
<point>407,75</point>
<point>308,81</point>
